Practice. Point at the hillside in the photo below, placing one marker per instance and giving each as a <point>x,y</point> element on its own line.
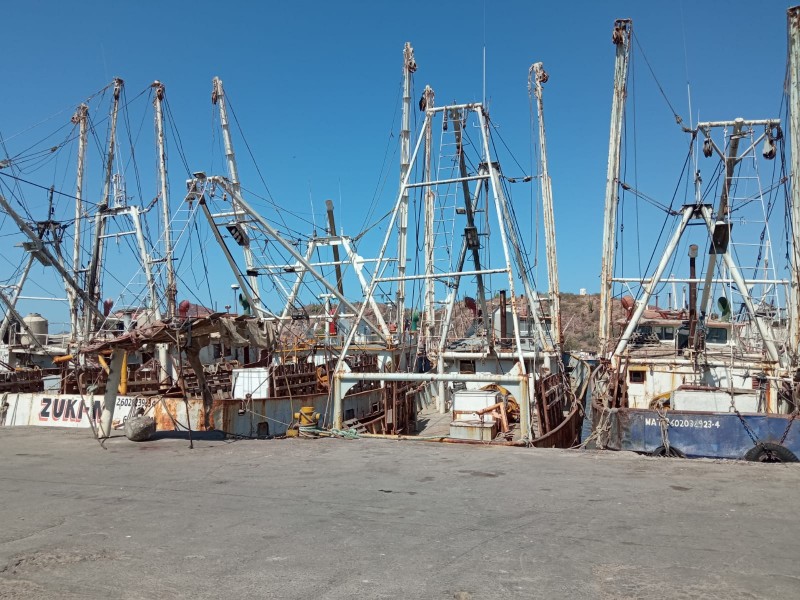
<point>579,318</point>
<point>580,321</point>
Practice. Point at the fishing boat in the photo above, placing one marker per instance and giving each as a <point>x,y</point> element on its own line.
<point>488,343</point>
<point>713,372</point>
<point>187,366</point>
<point>323,361</point>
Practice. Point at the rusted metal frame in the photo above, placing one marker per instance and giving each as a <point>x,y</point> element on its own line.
<point>542,405</point>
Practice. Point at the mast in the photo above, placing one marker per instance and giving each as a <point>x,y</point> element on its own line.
<point>218,98</point>
<point>172,290</point>
<point>80,117</point>
<point>793,15</point>
<point>135,215</point>
<point>455,118</point>
<point>335,247</point>
<point>731,160</point>
<point>621,37</point>
<point>12,302</point>
<point>539,78</point>
<point>409,66</point>
<point>430,291</point>
<point>92,285</point>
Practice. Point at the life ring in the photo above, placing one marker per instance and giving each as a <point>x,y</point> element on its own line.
<point>769,452</point>
<point>673,452</point>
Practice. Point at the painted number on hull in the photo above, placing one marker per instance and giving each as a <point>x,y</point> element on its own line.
<point>693,423</point>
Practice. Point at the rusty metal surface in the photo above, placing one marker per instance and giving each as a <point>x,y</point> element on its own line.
<point>199,329</point>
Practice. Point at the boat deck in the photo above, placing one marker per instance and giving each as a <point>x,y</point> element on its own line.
<point>432,423</point>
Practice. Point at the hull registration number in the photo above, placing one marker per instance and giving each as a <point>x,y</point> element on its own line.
<point>683,422</point>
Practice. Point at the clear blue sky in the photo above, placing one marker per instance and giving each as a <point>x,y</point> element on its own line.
<point>315,86</point>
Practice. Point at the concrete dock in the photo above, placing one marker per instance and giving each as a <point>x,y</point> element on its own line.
<point>373,518</point>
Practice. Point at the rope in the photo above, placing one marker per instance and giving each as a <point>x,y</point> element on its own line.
<point>663,424</point>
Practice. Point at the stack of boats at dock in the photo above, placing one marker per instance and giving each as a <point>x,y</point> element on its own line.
<point>364,366</point>
<point>454,324</point>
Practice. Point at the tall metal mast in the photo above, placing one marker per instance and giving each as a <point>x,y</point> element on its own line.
<point>621,37</point>
<point>409,66</point>
<point>539,78</point>
<point>81,117</point>
<point>92,285</point>
<point>332,233</point>
<point>430,287</point>
<point>172,290</point>
<point>12,302</point>
<point>793,15</point>
<point>731,160</point>
<point>218,98</point>
<point>469,209</point>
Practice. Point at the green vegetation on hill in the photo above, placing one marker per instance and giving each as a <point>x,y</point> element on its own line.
<point>580,321</point>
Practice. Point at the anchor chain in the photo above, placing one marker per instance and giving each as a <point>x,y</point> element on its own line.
<point>789,426</point>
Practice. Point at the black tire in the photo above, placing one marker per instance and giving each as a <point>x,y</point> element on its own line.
<point>673,452</point>
<point>770,453</point>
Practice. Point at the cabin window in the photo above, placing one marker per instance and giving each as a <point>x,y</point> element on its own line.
<point>717,335</point>
<point>466,366</point>
<point>665,333</point>
<point>637,376</point>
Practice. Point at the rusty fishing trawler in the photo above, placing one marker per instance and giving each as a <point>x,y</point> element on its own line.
<point>714,373</point>
<point>493,366</point>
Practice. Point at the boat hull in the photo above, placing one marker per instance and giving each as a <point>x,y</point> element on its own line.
<point>232,417</point>
<point>693,433</point>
